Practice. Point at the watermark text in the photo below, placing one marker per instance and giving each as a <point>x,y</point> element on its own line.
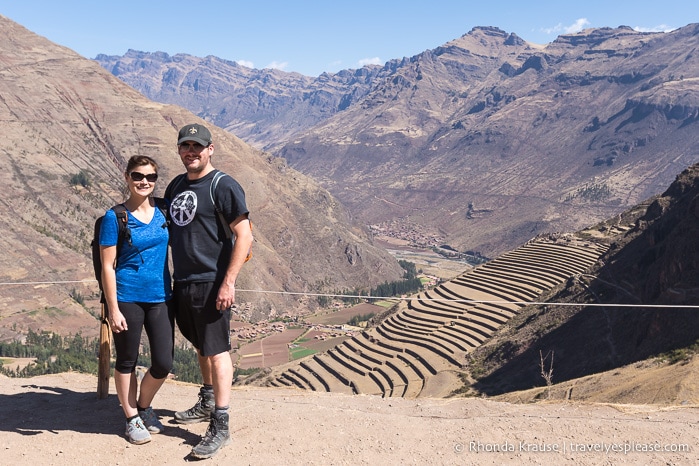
<point>521,446</point>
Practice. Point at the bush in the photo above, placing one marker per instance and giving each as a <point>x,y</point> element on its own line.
<point>81,179</point>
<point>354,321</point>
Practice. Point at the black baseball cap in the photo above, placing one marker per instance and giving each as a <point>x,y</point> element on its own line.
<point>196,133</point>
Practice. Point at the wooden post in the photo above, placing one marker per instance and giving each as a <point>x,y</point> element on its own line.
<point>105,356</point>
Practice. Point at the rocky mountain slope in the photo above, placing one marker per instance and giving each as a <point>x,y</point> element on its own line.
<point>69,126</point>
<point>483,142</point>
<point>636,303</point>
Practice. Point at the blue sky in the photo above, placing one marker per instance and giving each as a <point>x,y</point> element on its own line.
<point>312,36</point>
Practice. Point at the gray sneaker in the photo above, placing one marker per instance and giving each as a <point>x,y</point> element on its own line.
<point>217,436</point>
<point>200,412</point>
<point>136,432</point>
<point>151,421</point>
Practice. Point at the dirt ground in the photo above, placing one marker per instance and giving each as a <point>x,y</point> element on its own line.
<point>57,419</point>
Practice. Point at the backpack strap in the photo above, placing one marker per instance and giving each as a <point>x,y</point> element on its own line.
<point>214,183</point>
<point>219,212</point>
<point>122,215</point>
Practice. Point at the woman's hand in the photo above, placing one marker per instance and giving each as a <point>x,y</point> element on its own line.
<point>117,321</point>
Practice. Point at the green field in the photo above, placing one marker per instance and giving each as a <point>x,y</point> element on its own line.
<point>300,352</point>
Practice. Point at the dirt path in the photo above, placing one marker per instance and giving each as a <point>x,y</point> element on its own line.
<point>56,419</point>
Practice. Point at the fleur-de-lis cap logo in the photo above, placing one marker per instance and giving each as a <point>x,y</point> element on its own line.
<point>193,130</point>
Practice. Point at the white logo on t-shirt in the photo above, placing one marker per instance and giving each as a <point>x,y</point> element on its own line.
<point>183,208</point>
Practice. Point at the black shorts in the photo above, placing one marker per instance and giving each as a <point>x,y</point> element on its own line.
<point>208,329</point>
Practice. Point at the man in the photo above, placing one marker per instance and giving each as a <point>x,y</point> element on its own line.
<point>206,264</point>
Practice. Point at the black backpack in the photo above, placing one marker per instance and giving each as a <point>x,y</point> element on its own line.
<point>122,215</point>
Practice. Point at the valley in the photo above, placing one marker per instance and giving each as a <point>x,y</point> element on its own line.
<point>481,143</point>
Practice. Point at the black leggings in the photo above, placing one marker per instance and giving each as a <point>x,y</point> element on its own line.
<point>158,319</point>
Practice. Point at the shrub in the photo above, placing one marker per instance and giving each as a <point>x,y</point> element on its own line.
<point>81,178</point>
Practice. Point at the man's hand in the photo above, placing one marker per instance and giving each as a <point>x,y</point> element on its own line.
<point>226,297</point>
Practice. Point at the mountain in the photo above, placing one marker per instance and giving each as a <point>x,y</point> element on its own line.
<point>263,107</point>
<point>68,128</point>
<point>70,125</point>
<point>481,143</point>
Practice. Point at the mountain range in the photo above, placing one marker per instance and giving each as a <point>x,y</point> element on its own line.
<point>481,143</point>
<point>486,142</point>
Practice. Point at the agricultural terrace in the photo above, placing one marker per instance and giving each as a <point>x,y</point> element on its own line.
<point>420,349</point>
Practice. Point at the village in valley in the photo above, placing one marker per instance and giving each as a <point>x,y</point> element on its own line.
<point>280,339</point>
<point>268,343</point>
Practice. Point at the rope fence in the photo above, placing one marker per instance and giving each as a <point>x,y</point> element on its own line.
<point>394,298</point>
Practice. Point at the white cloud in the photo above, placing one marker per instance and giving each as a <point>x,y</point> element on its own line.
<point>659,28</point>
<point>245,63</point>
<point>577,26</point>
<point>275,65</point>
<point>370,61</point>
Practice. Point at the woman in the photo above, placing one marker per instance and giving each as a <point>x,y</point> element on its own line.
<point>137,289</point>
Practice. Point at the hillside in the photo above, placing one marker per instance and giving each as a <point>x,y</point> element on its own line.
<point>652,269</point>
<point>65,119</point>
<point>613,317</point>
<point>481,143</point>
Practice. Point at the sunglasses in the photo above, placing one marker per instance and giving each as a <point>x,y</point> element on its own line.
<point>138,176</point>
<point>195,146</point>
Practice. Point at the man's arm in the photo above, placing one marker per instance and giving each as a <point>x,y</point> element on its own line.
<point>242,232</point>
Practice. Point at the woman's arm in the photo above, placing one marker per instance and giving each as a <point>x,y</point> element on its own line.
<point>117,322</point>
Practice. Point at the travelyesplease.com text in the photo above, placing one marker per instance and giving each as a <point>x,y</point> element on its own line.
<point>475,446</point>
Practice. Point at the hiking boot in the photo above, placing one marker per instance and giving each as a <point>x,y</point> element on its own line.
<point>151,421</point>
<point>200,412</point>
<point>217,436</point>
<point>136,432</point>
